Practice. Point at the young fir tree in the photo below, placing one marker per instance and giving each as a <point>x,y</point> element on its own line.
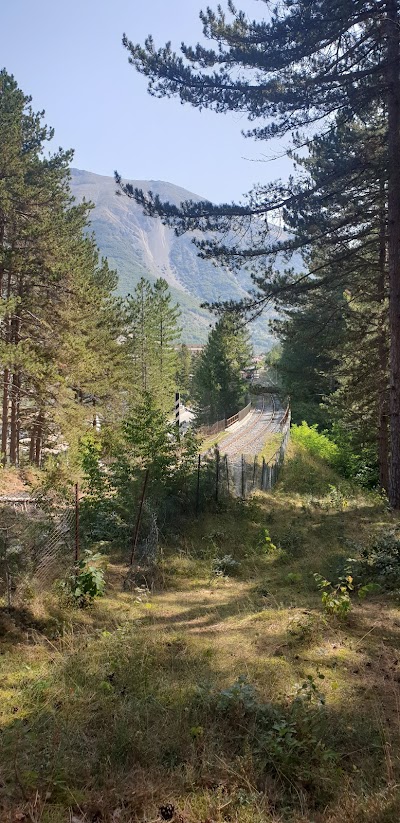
<point>218,387</point>
<point>167,331</point>
<point>306,62</point>
<point>152,332</point>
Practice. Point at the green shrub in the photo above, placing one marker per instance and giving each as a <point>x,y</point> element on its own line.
<point>379,564</point>
<point>316,443</point>
<point>336,597</point>
<point>224,566</point>
<point>87,581</point>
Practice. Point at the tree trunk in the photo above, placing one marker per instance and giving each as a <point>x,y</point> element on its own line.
<point>14,421</point>
<point>6,381</point>
<point>39,440</point>
<point>383,410</point>
<point>32,445</point>
<point>393,105</point>
<point>4,419</point>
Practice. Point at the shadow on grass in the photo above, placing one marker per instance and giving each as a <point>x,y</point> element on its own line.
<point>131,704</point>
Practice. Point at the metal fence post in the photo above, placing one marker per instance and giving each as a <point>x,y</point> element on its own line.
<point>216,474</point>
<point>263,475</point>
<point>139,517</point>
<point>198,486</point>
<point>243,479</point>
<point>227,474</point>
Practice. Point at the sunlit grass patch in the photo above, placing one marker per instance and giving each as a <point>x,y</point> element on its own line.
<point>171,694</point>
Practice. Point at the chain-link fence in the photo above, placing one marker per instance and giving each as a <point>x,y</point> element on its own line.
<point>220,476</point>
<point>33,546</point>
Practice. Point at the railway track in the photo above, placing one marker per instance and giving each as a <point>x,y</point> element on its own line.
<point>251,438</point>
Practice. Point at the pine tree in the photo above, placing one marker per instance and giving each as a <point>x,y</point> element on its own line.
<point>218,387</point>
<point>58,321</point>
<point>166,329</point>
<point>307,62</point>
<point>152,332</point>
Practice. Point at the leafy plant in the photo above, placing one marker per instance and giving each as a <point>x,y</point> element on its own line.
<point>264,543</point>
<point>87,582</point>
<point>336,597</point>
<point>224,566</point>
<point>241,696</point>
<point>316,443</point>
<point>336,499</point>
<point>379,565</point>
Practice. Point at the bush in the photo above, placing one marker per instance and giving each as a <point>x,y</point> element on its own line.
<point>336,596</point>
<point>287,742</point>
<point>87,582</point>
<point>224,566</point>
<point>380,563</point>
<point>317,443</point>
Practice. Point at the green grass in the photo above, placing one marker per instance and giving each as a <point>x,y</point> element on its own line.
<point>171,696</point>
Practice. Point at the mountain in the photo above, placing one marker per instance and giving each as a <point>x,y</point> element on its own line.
<point>139,246</point>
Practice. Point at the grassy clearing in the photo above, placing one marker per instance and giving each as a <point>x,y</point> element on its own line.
<point>231,698</point>
<point>214,440</point>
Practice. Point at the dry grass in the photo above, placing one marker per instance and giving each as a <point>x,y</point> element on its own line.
<point>108,713</point>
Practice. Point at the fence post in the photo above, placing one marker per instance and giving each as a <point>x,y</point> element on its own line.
<point>216,474</point>
<point>76,524</point>
<point>198,486</point>
<point>243,479</point>
<point>227,474</point>
<point>263,475</point>
<point>139,517</point>
<point>254,471</point>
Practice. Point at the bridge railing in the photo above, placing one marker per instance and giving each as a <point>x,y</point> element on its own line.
<point>221,425</point>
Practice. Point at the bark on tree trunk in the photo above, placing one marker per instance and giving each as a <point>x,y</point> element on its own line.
<point>393,105</point>
<point>14,422</point>
<point>383,406</point>
<point>39,440</point>
<point>6,381</point>
<point>4,419</point>
<point>32,445</point>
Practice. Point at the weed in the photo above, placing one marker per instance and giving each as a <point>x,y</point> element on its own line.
<point>225,566</point>
<point>293,578</point>
<point>87,582</point>
<point>335,499</point>
<point>380,564</point>
<point>336,597</point>
<point>264,542</point>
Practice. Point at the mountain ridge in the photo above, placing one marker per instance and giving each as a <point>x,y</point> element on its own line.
<point>140,246</point>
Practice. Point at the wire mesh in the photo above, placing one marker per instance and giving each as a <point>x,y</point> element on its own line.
<point>55,553</point>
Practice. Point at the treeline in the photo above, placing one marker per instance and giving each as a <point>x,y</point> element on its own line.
<point>71,353</point>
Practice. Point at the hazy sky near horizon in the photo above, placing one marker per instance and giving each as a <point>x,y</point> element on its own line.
<point>69,58</point>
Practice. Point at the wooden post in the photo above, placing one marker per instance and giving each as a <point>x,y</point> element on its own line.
<point>227,473</point>
<point>243,479</point>
<point>76,524</point>
<point>263,474</point>
<point>254,471</point>
<point>139,517</point>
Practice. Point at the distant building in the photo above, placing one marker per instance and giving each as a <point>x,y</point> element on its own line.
<point>195,349</point>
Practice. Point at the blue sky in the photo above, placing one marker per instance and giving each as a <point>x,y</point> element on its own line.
<point>68,56</point>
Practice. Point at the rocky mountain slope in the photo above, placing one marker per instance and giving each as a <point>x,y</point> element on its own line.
<point>138,246</point>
